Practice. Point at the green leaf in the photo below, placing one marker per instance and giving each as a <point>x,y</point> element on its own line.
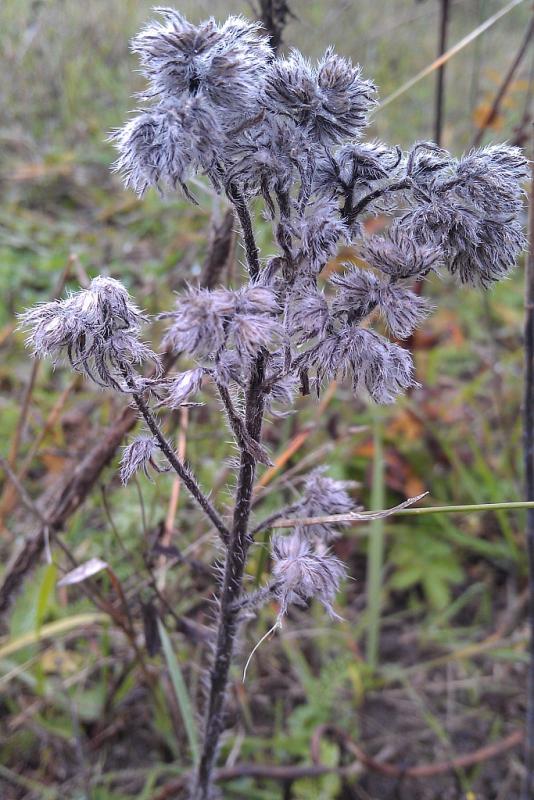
<point>437,591</point>
<point>404,578</point>
<point>46,591</point>
<point>180,689</point>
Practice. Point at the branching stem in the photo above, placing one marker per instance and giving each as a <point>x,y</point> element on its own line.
<point>185,475</point>
<point>351,214</point>
<point>242,438</point>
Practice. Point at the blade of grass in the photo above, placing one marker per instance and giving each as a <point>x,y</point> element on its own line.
<point>468,509</point>
<point>370,516</point>
<point>375,555</point>
<point>180,690</point>
<point>46,591</point>
<point>49,631</point>
<point>35,787</point>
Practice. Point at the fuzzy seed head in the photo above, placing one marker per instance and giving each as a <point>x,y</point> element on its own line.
<point>304,572</point>
<point>96,329</point>
<point>138,455</point>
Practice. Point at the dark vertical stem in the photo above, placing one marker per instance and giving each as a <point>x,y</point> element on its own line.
<point>528,433</point>
<point>440,79</point>
<point>283,234</point>
<point>274,14</point>
<point>231,589</point>
<point>477,52</point>
<point>251,249</point>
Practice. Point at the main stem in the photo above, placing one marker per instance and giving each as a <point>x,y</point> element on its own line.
<point>234,568</point>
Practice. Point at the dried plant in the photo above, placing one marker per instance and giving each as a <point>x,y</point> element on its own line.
<point>220,103</point>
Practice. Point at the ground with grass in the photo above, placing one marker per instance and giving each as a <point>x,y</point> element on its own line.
<point>420,691</point>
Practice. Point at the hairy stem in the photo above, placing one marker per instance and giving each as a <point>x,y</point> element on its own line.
<point>234,567</point>
<point>181,470</point>
<point>282,232</point>
<point>243,440</point>
<point>275,516</point>
<point>257,598</point>
<point>251,249</point>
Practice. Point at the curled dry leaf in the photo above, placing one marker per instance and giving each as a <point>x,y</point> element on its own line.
<point>84,571</point>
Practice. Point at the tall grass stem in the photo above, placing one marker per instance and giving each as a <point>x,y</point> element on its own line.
<point>375,558</point>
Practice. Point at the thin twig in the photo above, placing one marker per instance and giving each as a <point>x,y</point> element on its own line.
<point>27,501</point>
<point>7,497</point>
<point>221,249</point>
<point>269,521</point>
<point>505,85</point>
<point>353,516</point>
<point>25,406</point>
<point>274,14</point>
<point>419,770</point>
<point>297,772</point>
<point>174,499</point>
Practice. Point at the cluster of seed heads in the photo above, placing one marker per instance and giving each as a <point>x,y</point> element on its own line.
<point>220,104</point>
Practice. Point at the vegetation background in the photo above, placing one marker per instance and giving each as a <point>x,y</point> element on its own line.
<point>429,665</point>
